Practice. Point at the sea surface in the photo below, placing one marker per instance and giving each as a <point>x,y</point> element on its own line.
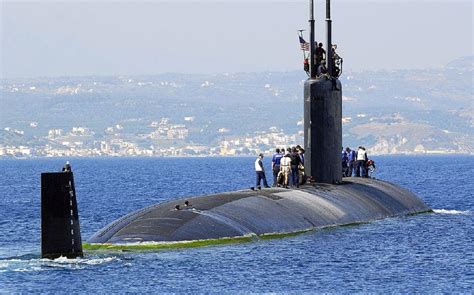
<point>427,253</point>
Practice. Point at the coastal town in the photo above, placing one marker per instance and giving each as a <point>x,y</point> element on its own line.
<point>243,114</point>
<point>166,139</point>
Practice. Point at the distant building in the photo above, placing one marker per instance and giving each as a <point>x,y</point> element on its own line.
<point>206,84</point>
<point>223,130</point>
<point>52,133</point>
<point>164,121</point>
<point>80,131</point>
<point>109,130</point>
<point>16,131</point>
<point>177,132</point>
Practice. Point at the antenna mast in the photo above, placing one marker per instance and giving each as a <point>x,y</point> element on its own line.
<point>329,56</point>
<point>312,68</point>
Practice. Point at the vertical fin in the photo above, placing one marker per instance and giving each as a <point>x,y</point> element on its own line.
<point>60,230</point>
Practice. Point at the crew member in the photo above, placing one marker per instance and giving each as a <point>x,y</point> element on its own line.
<point>344,161</point>
<point>285,168</point>
<point>335,57</point>
<point>295,162</point>
<point>360,164</point>
<point>370,166</point>
<point>276,165</point>
<point>300,153</point>
<point>322,68</point>
<point>351,155</point>
<point>301,174</point>
<point>67,167</point>
<point>260,171</point>
<point>320,54</point>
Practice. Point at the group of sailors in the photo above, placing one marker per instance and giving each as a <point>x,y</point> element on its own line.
<point>356,163</point>
<point>288,166</point>
<point>320,58</point>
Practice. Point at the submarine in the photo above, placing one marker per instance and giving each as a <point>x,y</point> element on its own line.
<point>326,200</point>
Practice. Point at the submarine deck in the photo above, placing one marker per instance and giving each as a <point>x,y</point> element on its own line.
<point>269,211</point>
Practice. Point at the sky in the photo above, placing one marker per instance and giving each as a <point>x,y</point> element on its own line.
<point>76,38</point>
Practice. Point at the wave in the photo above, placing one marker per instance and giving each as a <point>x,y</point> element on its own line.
<point>87,261</point>
<point>452,212</point>
<point>17,264</point>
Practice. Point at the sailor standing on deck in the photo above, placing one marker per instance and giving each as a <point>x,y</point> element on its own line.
<point>260,171</point>
<point>345,160</point>
<point>295,162</point>
<point>285,168</point>
<point>301,175</point>
<point>351,154</point>
<point>360,163</point>
<point>276,165</point>
<point>67,167</point>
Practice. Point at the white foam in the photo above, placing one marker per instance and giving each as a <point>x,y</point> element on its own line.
<point>99,260</point>
<point>78,261</point>
<point>28,265</point>
<point>452,212</point>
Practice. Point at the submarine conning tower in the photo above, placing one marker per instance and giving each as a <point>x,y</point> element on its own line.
<point>322,111</point>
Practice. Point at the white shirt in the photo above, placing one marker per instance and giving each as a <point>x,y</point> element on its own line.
<point>361,154</point>
<point>258,167</point>
<point>285,161</point>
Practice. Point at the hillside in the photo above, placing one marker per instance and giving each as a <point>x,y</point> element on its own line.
<point>403,111</point>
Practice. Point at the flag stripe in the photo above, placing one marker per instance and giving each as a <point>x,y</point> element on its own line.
<point>304,45</point>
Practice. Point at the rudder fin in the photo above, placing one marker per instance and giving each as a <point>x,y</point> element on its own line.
<point>60,230</point>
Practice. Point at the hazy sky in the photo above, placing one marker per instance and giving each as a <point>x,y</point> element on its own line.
<point>58,38</point>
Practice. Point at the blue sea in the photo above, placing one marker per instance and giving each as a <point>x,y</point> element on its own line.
<point>427,253</point>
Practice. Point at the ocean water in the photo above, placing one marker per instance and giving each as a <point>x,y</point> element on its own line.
<point>425,253</point>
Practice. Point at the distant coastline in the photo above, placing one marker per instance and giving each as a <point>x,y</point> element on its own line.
<point>425,111</point>
<point>216,156</point>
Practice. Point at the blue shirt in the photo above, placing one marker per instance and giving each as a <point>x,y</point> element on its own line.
<point>344,156</point>
<point>352,156</point>
<point>277,158</point>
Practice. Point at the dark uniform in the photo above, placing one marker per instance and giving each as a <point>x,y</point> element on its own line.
<point>295,162</point>
<point>320,54</point>
<point>276,166</point>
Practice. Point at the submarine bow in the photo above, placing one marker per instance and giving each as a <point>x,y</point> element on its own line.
<point>259,213</point>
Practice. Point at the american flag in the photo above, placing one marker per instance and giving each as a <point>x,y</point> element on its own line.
<point>304,45</point>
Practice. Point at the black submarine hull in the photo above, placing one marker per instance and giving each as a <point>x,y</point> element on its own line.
<point>270,211</point>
